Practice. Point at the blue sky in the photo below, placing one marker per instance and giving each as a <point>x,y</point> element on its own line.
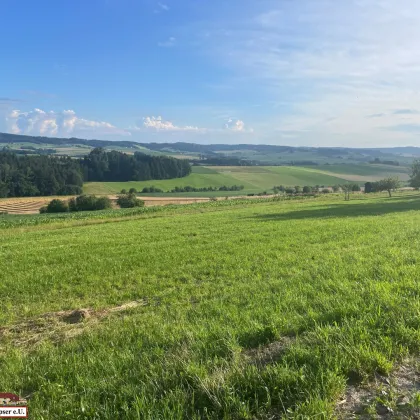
<point>295,72</point>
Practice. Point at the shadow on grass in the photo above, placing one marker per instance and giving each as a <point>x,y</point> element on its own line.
<point>348,209</point>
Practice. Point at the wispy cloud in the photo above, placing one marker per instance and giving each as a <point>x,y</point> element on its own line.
<point>5,99</point>
<point>376,115</point>
<point>407,128</point>
<point>170,42</point>
<point>7,103</point>
<point>325,59</point>
<point>162,8</point>
<point>405,112</point>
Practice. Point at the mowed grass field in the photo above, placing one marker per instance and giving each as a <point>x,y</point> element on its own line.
<point>256,179</point>
<point>225,310</point>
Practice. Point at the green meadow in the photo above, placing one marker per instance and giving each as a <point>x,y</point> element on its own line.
<point>257,179</point>
<point>259,309</point>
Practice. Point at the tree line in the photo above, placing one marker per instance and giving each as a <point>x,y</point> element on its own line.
<point>26,176</point>
<point>188,188</point>
<point>100,165</point>
<point>314,189</point>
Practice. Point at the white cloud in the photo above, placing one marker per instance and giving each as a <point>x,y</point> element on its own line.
<point>61,124</point>
<point>158,123</point>
<point>170,42</point>
<point>237,126</point>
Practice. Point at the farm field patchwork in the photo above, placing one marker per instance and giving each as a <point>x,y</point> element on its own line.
<point>230,309</point>
<point>257,179</point>
<point>365,172</point>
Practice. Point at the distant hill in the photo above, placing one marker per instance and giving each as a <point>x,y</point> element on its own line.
<point>218,153</point>
<point>17,138</point>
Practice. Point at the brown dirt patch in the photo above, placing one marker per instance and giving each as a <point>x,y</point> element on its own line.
<point>268,354</point>
<point>394,397</point>
<point>57,326</point>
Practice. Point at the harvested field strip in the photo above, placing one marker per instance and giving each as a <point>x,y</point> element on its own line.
<point>23,206</point>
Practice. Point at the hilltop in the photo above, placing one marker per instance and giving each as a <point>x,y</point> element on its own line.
<point>228,154</point>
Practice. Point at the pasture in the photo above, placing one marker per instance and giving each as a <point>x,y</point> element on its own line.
<point>257,179</point>
<point>237,309</point>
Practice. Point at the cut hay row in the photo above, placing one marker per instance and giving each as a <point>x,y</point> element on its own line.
<point>30,206</point>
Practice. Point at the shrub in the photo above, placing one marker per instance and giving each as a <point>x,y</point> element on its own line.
<point>103,203</point>
<point>325,190</point>
<point>127,201</point>
<point>290,190</point>
<point>281,188</point>
<point>151,190</point>
<point>306,189</point>
<point>132,191</point>
<point>43,210</point>
<point>123,191</point>
<point>89,203</point>
<point>57,206</point>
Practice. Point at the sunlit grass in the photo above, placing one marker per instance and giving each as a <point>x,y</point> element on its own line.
<point>334,284</point>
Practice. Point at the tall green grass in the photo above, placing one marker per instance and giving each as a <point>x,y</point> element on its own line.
<point>329,289</point>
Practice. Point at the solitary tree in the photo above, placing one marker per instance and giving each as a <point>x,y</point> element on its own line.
<point>369,187</point>
<point>415,174</point>
<point>388,184</point>
<point>347,189</point>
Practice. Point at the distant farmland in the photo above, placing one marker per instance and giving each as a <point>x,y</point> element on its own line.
<point>256,179</point>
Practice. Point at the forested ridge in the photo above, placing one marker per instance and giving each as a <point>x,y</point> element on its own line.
<point>25,176</point>
<point>100,165</point>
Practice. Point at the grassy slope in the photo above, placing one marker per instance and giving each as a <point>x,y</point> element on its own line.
<point>334,284</point>
<point>256,178</point>
<point>194,180</point>
<point>368,172</point>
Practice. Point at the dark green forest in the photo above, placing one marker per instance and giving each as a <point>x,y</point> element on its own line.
<point>100,165</point>
<point>26,176</point>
